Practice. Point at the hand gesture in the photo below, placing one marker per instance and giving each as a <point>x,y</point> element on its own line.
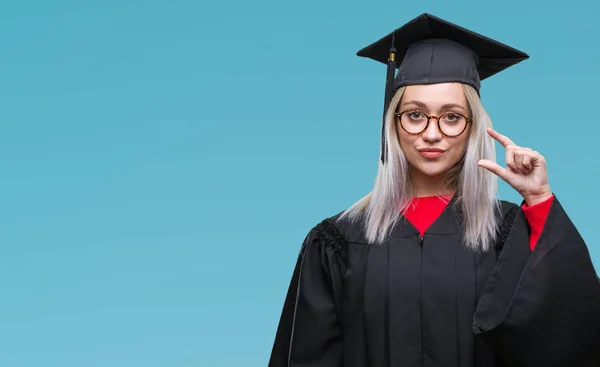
<point>526,172</point>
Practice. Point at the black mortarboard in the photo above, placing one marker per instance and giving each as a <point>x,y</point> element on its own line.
<point>432,50</point>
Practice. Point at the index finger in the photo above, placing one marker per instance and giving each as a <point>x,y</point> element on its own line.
<point>504,140</point>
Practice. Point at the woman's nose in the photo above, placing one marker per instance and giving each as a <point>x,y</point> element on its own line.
<point>432,132</point>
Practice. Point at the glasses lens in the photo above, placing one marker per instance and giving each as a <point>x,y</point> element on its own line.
<point>413,121</point>
<point>452,124</point>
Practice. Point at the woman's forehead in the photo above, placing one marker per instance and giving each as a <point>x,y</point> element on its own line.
<point>435,95</point>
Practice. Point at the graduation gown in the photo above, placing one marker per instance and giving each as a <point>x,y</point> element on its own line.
<point>429,301</point>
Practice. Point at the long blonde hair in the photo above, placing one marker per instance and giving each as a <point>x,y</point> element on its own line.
<point>475,187</point>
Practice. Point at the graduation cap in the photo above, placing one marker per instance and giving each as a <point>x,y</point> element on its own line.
<point>432,50</point>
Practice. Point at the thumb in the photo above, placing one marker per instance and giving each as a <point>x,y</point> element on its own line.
<point>494,168</point>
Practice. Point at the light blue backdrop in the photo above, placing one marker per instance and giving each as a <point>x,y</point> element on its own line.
<point>162,161</point>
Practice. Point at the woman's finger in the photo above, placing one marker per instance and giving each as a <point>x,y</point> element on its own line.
<point>527,160</point>
<point>510,158</point>
<point>519,153</point>
<point>496,169</point>
<point>504,140</point>
<point>523,159</point>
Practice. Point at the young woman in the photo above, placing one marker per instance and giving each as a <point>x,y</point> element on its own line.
<point>430,269</point>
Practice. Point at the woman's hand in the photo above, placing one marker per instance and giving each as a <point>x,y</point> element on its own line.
<point>526,172</point>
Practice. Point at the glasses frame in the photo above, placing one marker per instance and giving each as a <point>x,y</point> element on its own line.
<point>398,115</point>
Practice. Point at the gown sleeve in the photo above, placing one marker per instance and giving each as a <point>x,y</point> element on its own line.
<point>310,332</point>
<point>536,218</point>
<point>542,308</point>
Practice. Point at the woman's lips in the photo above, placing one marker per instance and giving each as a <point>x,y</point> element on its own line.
<point>431,153</point>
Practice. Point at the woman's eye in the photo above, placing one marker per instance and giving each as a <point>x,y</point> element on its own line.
<point>415,115</point>
<point>451,117</point>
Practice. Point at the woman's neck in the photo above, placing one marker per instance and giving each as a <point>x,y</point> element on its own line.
<point>425,186</point>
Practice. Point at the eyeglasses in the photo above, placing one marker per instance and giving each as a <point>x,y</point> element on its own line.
<point>450,124</point>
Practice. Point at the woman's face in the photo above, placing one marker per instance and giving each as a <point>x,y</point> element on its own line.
<point>431,153</point>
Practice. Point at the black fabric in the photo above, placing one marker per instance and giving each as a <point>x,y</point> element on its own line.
<point>435,303</point>
<point>551,295</point>
<point>438,61</point>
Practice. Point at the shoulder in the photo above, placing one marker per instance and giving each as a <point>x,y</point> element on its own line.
<point>509,212</point>
<point>339,230</point>
<point>507,207</point>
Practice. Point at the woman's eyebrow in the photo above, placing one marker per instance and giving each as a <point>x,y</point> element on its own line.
<point>417,103</point>
<point>453,105</point>
<point>444,107</point>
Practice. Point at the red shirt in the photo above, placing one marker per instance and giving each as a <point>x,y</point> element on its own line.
<point>423,211</point>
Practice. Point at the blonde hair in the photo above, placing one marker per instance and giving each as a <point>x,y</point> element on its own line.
<point>476,188</point>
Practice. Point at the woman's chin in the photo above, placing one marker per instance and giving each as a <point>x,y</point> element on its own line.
<point>432,169</point>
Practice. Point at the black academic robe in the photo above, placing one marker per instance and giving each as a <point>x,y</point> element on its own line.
<point>431,302</point>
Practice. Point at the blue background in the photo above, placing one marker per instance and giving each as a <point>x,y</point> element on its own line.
<point>162,161</point>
